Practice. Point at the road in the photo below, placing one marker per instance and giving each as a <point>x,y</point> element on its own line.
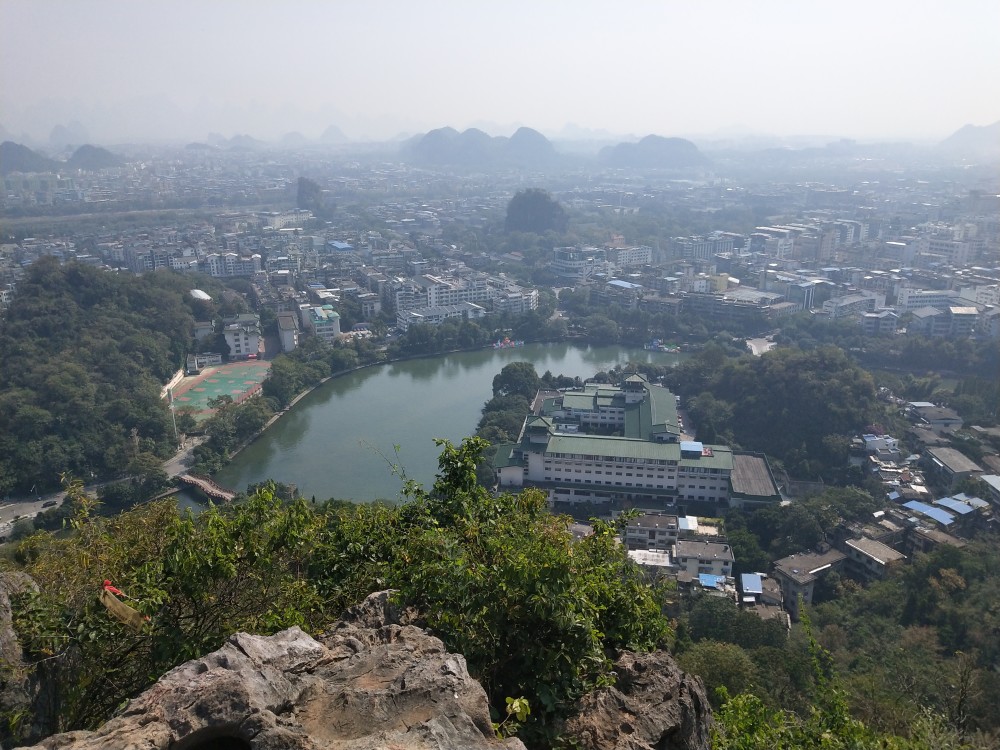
<point>12,511</point>
<point>184,458</point>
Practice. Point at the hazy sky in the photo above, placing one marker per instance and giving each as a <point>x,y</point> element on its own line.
<point>375,68</point>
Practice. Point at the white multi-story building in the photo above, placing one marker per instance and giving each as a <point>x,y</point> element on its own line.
<point>652,531</point>
<point>323,321</point>
<point>955,252</point>
<point>703,247</point>
<point>296,217</point>
<point>242,334</point>
<point>222,265</point>
<point>913,299</point>
<point>852,305</point>
<point>434,291</point>
<point>644,465</point>
<point>515,300</point>
<point>422,292</point>
<point>776,242</point>
<point>142,258</point>
<point>436,315</point>
<point>578,263</point>
<point>982,294</point>
<point>700,558</point>
<point>989,323</point>
<point>625,257</point>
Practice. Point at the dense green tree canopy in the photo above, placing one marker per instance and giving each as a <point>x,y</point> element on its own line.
<point>787,403</point>
<point>499,579</point>
<point>83,355</point>
<point>517,379</point>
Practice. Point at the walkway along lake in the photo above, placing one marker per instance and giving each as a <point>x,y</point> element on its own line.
<point>339,440</point>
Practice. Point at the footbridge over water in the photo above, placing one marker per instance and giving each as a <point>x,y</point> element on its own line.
<point>208,487</point>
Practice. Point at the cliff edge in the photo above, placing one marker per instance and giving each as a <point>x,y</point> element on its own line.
<point>374,680</point>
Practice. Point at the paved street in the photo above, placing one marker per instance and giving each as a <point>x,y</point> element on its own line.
<point>12,510</point>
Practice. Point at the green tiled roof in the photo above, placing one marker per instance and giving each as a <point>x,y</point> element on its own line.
<point>657,412</point>
<point>613,447</point>
<point>579,401</point>
<point>549,405</point>
<point>721,458</point>
<point>502,456</point>
<point>533,421</point>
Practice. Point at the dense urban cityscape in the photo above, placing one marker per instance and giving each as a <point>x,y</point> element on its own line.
<point>521,376</point>
<point>359,257</point>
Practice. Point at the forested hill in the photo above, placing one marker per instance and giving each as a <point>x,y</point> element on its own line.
<point>83,355</point>
<point>800,407</point>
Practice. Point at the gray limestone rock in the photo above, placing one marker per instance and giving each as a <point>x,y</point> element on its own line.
<point>376,680</point>
<point>371,682</point>
<point>654,705</point>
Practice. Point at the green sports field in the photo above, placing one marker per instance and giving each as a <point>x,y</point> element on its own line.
<point>237,379</point>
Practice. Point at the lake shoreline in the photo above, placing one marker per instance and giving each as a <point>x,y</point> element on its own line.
<point>341,373</point>
<point>338,447</point>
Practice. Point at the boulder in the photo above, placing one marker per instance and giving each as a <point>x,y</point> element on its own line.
<point>653,705</point>
<point>373,681</point>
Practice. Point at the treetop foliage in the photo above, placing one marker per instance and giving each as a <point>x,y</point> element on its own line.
<point>788,403</point>
<point>517,379</point>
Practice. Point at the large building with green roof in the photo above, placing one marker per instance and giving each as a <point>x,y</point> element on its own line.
<point>604,444</point>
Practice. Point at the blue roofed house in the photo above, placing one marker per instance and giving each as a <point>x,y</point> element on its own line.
<point>968,512</point>
<point>939,516</point>
<point>751,586</point>
<point>761,595</point>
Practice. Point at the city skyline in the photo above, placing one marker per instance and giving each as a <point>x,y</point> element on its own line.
<point>158,71</point>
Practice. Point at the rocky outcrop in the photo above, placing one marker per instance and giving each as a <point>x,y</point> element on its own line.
<point>653,706</point>
<point>373,681</point>
<point>377,680</point>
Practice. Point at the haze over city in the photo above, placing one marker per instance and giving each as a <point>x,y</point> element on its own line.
<point>378,70</point>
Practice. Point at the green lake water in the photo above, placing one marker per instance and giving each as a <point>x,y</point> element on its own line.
<point>340,440</point>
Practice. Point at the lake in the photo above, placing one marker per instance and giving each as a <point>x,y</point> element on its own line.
<point>344,439</point>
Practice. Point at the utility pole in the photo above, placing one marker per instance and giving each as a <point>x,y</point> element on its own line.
<point>173,416</point>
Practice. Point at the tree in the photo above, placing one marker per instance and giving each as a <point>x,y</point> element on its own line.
<point>71,393</point>
<point>517,379</point>
<point>720,665</point>
<point>198,579</point>
<point>534,210</point>
<point>601,329</point>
